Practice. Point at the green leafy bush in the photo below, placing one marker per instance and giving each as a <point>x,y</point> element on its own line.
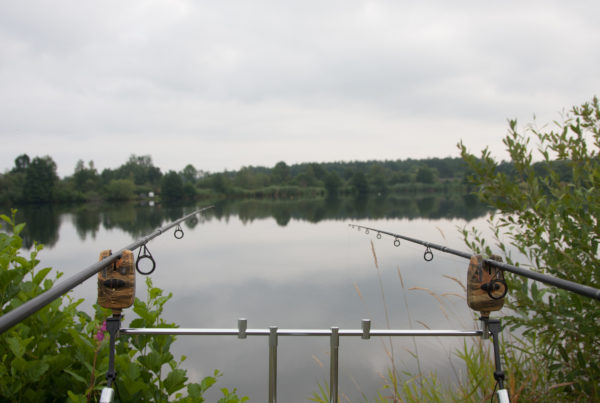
<point>61,353</point>
<point>548,210</point>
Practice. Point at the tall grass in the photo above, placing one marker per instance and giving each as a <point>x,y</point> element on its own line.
<point>474,380</point>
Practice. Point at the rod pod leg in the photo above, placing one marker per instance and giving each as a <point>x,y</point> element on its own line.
<point>113,324</point>
<point>494,328</point>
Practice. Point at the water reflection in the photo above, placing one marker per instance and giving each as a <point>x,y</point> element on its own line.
<point>43,221</point>
<point>432,207</point>
<point>87,221</point>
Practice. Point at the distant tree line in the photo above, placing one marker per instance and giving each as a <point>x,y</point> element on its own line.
<point>34,180</point>
<point>338,178</point>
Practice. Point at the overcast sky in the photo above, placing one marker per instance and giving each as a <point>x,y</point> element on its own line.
<point>226,84</point>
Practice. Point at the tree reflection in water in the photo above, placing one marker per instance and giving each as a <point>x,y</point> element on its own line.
<point>43,221</point>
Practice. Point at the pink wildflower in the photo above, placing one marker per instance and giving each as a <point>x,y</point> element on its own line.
<point>100,333</point>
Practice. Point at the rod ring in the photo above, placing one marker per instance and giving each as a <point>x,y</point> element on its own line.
<point>145,255</point>
<point>379,235</point>
<point>178,232</point>
<point>366,231</point>
<point>428,255</point>
<point>397,242</point>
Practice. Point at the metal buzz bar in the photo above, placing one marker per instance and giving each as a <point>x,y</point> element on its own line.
<point>273,333</point>
<point>577,288</point>
<point>32,306</point>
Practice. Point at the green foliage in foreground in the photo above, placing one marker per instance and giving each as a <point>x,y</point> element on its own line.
<point>554,223</point>
<point>61,353</point>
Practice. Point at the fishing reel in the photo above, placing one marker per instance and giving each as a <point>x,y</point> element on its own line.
<point>116,282</point>
<point>486,287</point>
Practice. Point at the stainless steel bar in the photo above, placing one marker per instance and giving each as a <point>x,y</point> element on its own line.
<point>30,307</point>
<point>298,332</point>
<point>193,332</point>
<point>334,365</point>
<point>412,333</point>
<point>273,364</point>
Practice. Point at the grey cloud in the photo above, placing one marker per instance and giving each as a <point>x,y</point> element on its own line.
<point>208,69</point>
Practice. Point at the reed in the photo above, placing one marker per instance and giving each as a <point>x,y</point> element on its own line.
<point>474,380</point>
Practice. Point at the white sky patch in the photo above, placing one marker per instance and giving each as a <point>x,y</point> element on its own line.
<point>223,85</point>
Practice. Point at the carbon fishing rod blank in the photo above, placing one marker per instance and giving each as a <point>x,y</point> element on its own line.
<point>497,288</point>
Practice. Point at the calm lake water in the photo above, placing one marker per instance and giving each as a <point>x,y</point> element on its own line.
<point>291,264</point>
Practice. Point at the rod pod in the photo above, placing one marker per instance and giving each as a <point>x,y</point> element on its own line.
<point>113,325</point>
<point>493,327</point>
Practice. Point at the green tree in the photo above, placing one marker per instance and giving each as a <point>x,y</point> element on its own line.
<point>140,169</point>
<point>85,179</point>
<point>12,183</point>
<point>120,189</point>
<point>555,225</point>
<point>378,178</point>
<point>189,174</point>
<point>220,183</point>
<point>426,175</point>
<point>306,177</point>
<point>280,174</point>
<point>171,187</point>
<point>40,180</point>
<point>333,183</point>
<point>250,178</point>
<point>359,183</point>
<point>400,177</point>
<point>318,170</point>
<point>189,191</point>
<point>21,163</point>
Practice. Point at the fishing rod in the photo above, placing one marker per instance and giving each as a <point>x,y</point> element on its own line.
<point>577,288</point>
<point>30,307</point>
<point>486,290</point>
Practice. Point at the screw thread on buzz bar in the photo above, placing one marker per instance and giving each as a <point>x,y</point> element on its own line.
<point>577,288</point>
<point>30,307</point>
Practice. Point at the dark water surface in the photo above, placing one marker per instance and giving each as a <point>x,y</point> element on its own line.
<point>291,264</point>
